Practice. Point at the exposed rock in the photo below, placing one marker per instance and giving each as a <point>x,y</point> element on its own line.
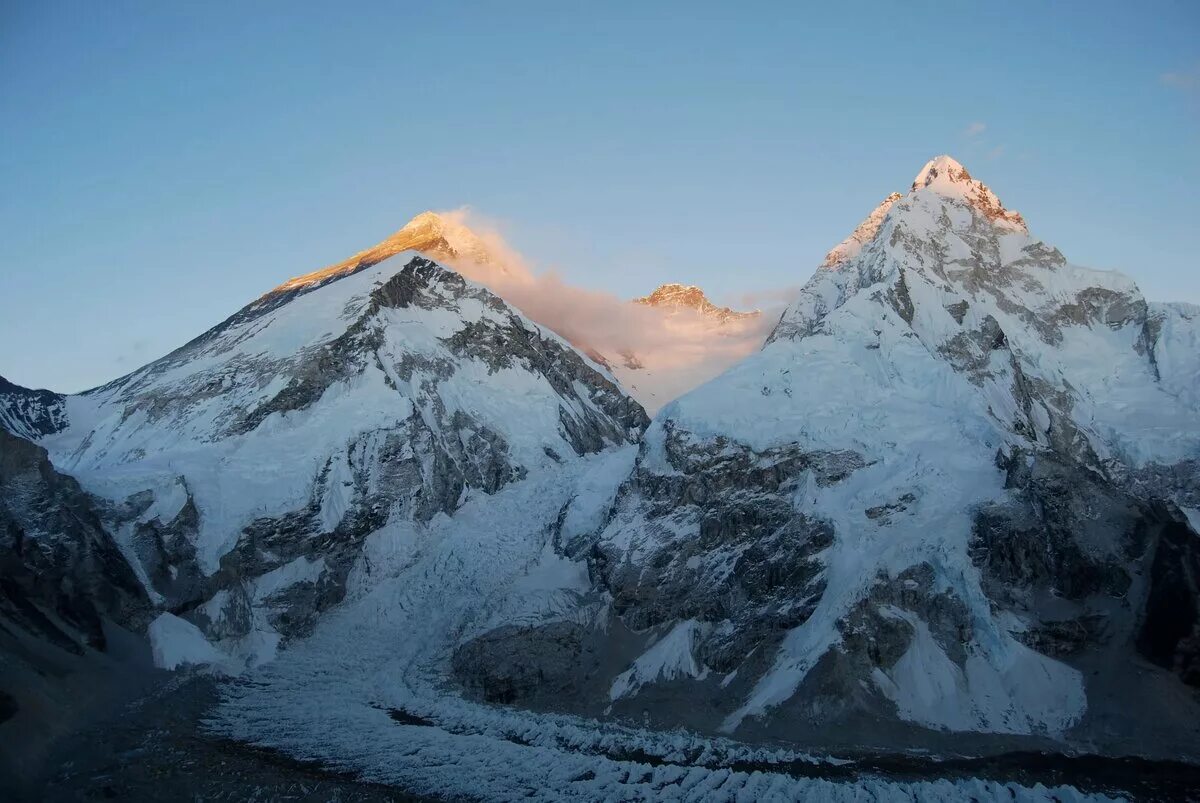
<point>512,664</point>
<point>675,297</point>
<point>31,413</point>
<point>1170,626</point>
<point>62,575</point>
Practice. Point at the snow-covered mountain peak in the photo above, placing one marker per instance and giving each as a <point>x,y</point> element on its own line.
<point>951,400</point>
<point>943,171</point>
<point>440,236</point>
<point>948,178</point>
<point>390,393</point>
<point>673,297</point>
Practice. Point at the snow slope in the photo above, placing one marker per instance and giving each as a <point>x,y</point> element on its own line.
<point>314,416</point>
<point>366,693</point>
<point>870,479</point>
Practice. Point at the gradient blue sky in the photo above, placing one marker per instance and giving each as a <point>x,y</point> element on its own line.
<point>162,164</point>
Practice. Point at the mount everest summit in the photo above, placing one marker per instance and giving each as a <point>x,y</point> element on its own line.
<point>950,504</point>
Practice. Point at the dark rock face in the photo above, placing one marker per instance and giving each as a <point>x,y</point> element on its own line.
<point>60,572</point>
<point>1051,537</point>
<point>724,542</point>
<point>1169,634</point>
<point>31,413</point>
<point>512,664</point>
<point>1118,567</point>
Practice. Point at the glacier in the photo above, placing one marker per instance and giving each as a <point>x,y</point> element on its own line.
<point>947,512</point>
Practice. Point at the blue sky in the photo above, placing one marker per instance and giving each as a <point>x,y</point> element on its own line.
<point>164,163</point>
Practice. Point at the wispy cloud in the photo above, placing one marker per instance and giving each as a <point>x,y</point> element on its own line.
<point>975,129</point>
<point>996,152</point>
<point>682,348</point>
<point>1186,80</point>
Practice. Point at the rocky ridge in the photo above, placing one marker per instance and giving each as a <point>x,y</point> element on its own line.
<point>928,501</point>
<point>675,297</point>
<point>240,474</point>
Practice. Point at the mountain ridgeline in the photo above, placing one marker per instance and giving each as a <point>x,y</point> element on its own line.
<point>952,503</point>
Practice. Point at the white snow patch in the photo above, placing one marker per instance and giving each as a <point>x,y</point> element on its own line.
<point>1023,692</point>
<point>175,642</point>
<point>301,570</point>
<point>671,657</point>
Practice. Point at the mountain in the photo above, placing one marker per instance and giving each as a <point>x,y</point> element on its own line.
<point>679,340</point>
<point>30,413</point>
<point>677,297</point>
<point>240,473</point>
<point>958,490</point>
<point>437,236</point>
<point>948,510</point>
<point>689,340</point>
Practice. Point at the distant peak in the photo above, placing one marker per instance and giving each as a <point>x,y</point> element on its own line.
<point>441,235</point>
<point>675,297</point>
<point>428,216</point>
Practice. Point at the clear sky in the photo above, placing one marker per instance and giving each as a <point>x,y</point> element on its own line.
<point>163,163</point>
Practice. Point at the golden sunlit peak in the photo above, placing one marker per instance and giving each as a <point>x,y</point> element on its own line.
<point>439,235</point>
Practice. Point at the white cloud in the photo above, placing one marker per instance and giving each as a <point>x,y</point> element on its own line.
<point>680,349</point>
<point>975,129</point>
<point>1187,80</point>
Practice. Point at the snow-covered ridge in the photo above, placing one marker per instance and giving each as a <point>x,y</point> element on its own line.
<point>947,177</point>
<point>952,397</point>
<point>279,439</point>
<point>862,234</point>
<point>30,413</point>
<point>438,236</point>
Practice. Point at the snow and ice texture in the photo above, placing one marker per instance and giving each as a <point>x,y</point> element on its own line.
<point>930,688</point>
<point>175,642</point>
<point>942,480</point>
<point>1177,349</point>
<point>862,234</point>
<point>671,657</point>
<point>255,459</point>
<point>366,692</point>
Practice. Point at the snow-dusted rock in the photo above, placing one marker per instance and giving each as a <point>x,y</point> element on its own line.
<point>950,491</point>
<point>387,390</point>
